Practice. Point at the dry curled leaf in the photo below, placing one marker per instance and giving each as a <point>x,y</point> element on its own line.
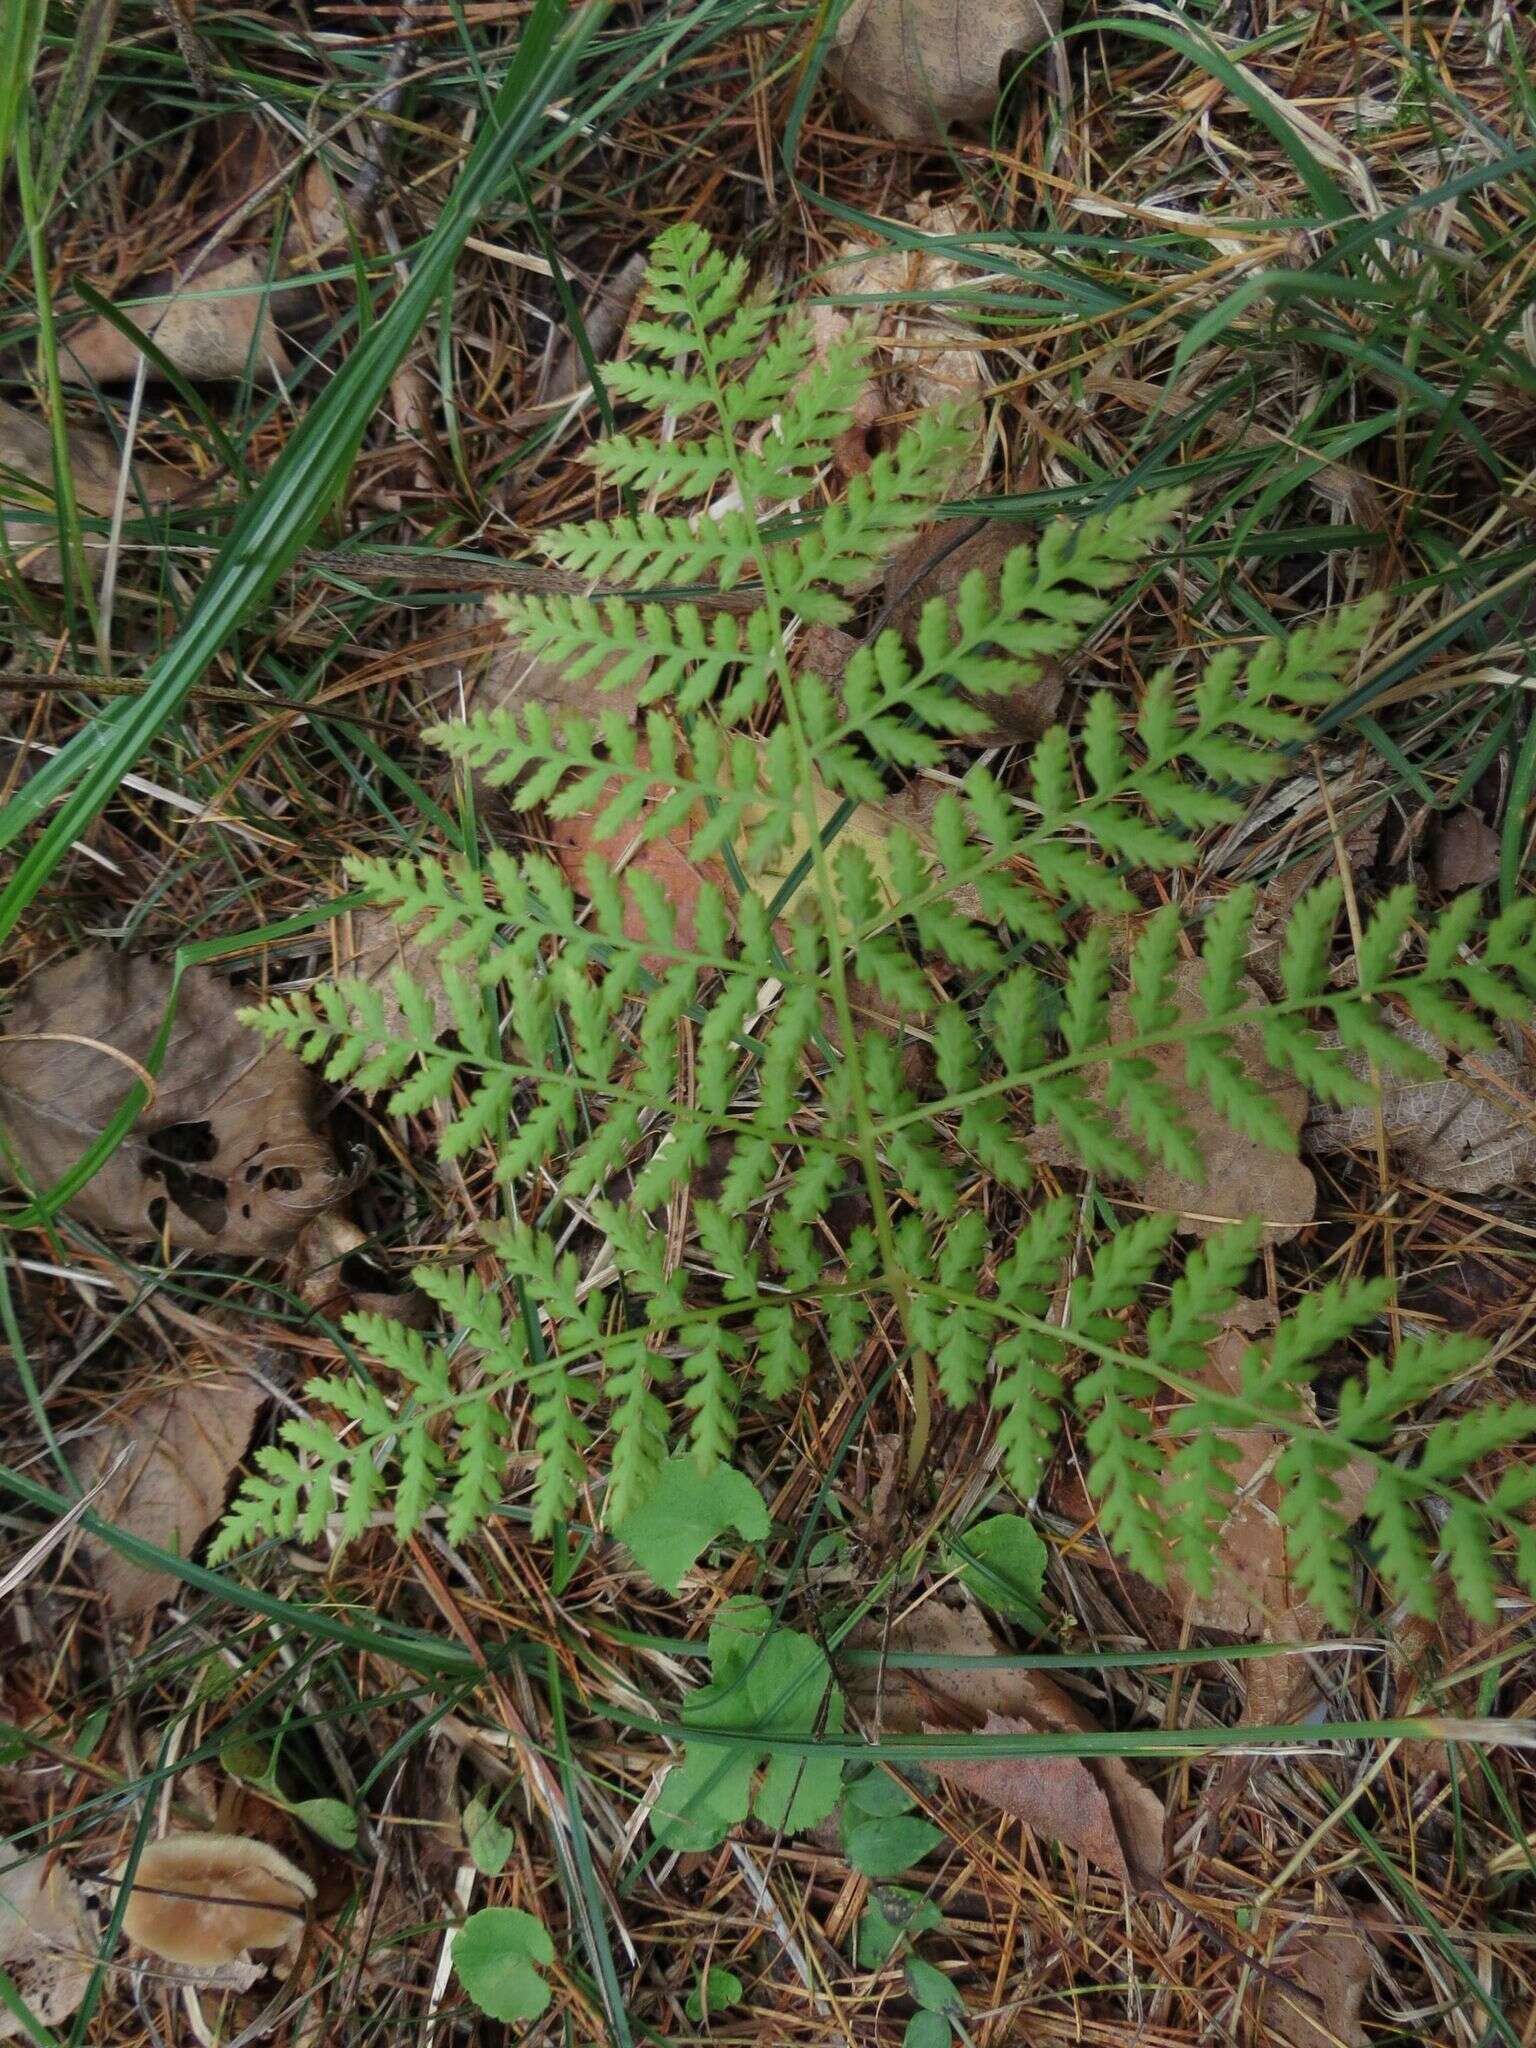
<point>209,1901</point>
<point>1471,1128</point>
<point>177,1451</point>
<point>1252,1595</point>
<point>225,1158</point>
<point>920,65</point>
<point>934,564</point>
<point>26,490</point>
<point>1330,1968</point>
<point>46,1948</point>
<point>922,354</point>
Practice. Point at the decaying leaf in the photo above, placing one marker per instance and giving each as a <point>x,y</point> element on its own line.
<point>1330,1969</point>
<point>213,321</point>
<point>934,564</point>
<point>1253,1596</point>
<point>207,1901</point>
<point>923,355</point>
<point>1242,1177</point>
<point>46,1948</point>
<point>26,490</point>
<point>1471,1129</point>
<point>1095,1805</point>
<point>209,312</point>
<point>225,1158</point>
<point>1463,853</point>
<point>920,65</point>
<point>181,1447</point>
<point>1091,1804</point>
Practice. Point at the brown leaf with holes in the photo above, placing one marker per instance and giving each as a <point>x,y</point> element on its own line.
<point>1253,1595</point>
<point>225,1158</point>
<point>934,564</point>
<point>1470,1129</point>
<point>46,1946</point>
<point>918,66</point>
<point>26,487</point>
<point>1330,1968</point>
<point>178,1449</point>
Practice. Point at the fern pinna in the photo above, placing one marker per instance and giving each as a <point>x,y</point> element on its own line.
<point>891,1019</point>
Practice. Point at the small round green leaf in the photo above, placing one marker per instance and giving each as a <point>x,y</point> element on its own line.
<point>931,1988</point>
<point>926,2030</point>
<point>490,1842</point>
<point>716,1991</point>
<point>1002,1561</point>
<point>331,1819</point>
<point>498,1954</point>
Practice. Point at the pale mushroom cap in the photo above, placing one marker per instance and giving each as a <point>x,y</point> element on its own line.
<point>204,1900</point>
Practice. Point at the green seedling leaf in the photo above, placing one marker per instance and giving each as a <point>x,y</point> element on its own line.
<point>490,1842</point>
<point>932,1989</point>
<point>498,1954</point>
<point>876,1795</point>
<point>331,1819</point>
<point>1002,1561</point>
<point>894,1914</point>
<point>767,1682</point>
<point>716,1991</point>
<point>926,2030</point>
<point>688,1511</point>
<point>887,1847</point>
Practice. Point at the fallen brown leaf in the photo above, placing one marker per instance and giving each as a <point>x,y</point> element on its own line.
<point>225,1158</point>
<point>26,486</point>
<point>1095,1805</point>
<point>46,1947</point>
<point>934,564</point>
<point>1330,1969</point>
<point>922,354</point>
<point>920,65</point>
<point>209,311</point>
<point>1471,1129</point>
<point>1242,1177</point>
<point>181,1448</point>
<point>212,321</point>
<point>1091,1804</point>
<point>1463,853</point>
<point>1252,1595</point>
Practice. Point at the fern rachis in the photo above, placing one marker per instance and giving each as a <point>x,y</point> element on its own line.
<point>983,944</point>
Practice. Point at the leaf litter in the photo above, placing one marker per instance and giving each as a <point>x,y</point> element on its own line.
<point>226,1157</point>
<point>1095,1805</point>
